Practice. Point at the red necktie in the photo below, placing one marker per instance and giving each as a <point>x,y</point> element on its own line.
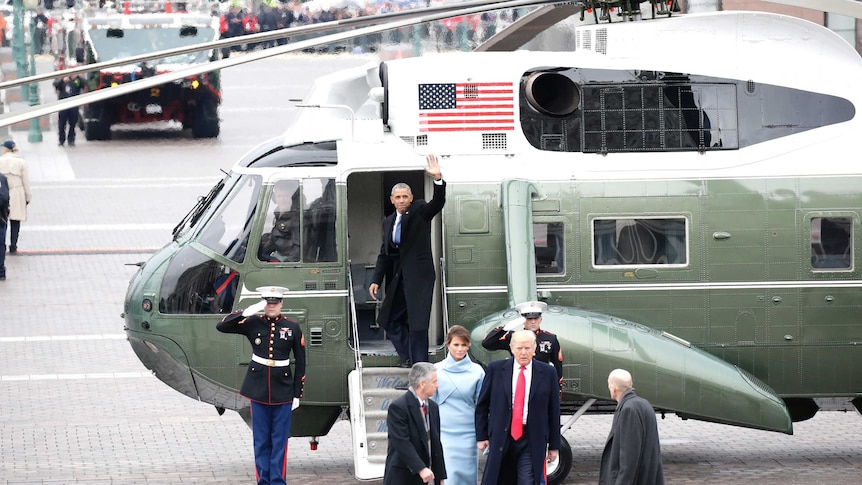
<point>518,406</point>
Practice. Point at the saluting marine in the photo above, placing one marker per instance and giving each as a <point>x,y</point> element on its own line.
<point>273,390</point>
<point>547,346</point>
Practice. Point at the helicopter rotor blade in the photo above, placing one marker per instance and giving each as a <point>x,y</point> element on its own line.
<point>528,27</point>
<point>259,37</point>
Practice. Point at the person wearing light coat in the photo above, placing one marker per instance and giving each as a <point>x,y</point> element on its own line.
<point>15,170</point>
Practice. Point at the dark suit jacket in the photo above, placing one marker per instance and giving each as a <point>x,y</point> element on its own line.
<point>407,453</point>
<point>494,415</point>
<point>632,454</point>
<point>270,385</point>
<point>413,266</point>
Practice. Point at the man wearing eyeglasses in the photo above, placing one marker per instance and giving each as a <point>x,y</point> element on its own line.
<point>547,346</point>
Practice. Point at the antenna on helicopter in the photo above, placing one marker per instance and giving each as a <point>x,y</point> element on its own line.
<point>335,106</point>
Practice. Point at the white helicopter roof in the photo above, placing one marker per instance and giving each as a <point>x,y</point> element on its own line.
<point>758,47</point>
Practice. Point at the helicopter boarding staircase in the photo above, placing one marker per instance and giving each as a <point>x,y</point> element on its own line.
<point>370,392</point>
<point>372,389</point>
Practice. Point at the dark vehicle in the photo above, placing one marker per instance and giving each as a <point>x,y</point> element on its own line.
<point>193,101</point>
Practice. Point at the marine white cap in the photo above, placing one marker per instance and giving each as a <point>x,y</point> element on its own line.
<point>272,292</point>
<point>531,307</point>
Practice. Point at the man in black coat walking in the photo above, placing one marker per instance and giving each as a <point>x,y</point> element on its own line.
<point>632,454</point>
<point>414,454</point>
<point>405,261</point>
<point>518,416</point>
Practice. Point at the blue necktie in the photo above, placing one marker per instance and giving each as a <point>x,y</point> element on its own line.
<point>396,236</point>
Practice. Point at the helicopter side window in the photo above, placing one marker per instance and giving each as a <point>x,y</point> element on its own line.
<point>630,242</point>
<point>831,243</point>
<point>548,245</point>
<point>302,225</point>
<point>228,231</point>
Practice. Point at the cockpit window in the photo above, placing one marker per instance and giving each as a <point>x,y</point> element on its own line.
<point>300,225</point>
<point>319,220</point>
<point>228,230</point>
<point>197,284</point>
<point>280,239</point>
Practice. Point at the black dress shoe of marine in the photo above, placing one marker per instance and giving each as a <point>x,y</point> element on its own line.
<point>406,364</point>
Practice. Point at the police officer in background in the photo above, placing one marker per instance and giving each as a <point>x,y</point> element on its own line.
<point>273,390</point>
<point>66,87</point>
<point>548,348</point>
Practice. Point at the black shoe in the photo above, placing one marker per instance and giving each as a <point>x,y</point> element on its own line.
<point>13,250</point>
<point>60,144</point>
<point>406,364</point>
<point>3,278</point>
<point>71,143</point>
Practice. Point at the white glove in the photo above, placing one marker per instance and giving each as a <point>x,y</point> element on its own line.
<point>254,308</point>
<point>515,324</point>
<point>295,403</point>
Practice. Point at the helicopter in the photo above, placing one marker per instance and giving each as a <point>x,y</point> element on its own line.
<point>663,205</point>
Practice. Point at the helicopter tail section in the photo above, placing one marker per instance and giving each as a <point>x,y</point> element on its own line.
<point>672,374</point>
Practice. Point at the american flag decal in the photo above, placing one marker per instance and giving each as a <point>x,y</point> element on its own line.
<point>466,107</point>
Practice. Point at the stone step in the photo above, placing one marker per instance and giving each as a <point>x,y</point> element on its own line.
<point>375,422</point>
<point>378,399</point>
<point>385,378</point>
<point>377,443</point>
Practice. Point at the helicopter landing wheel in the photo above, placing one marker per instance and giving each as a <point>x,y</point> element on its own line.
<point>559,469</point>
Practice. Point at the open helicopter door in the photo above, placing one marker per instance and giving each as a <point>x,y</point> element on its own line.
<point>367,205</point>
<point>375,380</point>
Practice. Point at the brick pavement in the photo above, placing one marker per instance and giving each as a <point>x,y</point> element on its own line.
<point>84,411</point>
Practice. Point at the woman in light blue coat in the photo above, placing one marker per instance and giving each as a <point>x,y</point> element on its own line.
<point>459,380</point>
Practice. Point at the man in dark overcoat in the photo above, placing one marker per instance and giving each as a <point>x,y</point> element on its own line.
<point>414,454</point>
<point>522,433</point>
<point>406,263</point>
<point>632,454</point>
<point>273,389</point>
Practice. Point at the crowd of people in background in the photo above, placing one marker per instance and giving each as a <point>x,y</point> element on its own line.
<point>464,32</point>
<point>239,18</point>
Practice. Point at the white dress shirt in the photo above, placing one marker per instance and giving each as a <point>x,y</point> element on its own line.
<point>528,375</point>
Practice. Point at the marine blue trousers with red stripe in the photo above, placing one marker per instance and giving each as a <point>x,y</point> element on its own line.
<point>271,428</point>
